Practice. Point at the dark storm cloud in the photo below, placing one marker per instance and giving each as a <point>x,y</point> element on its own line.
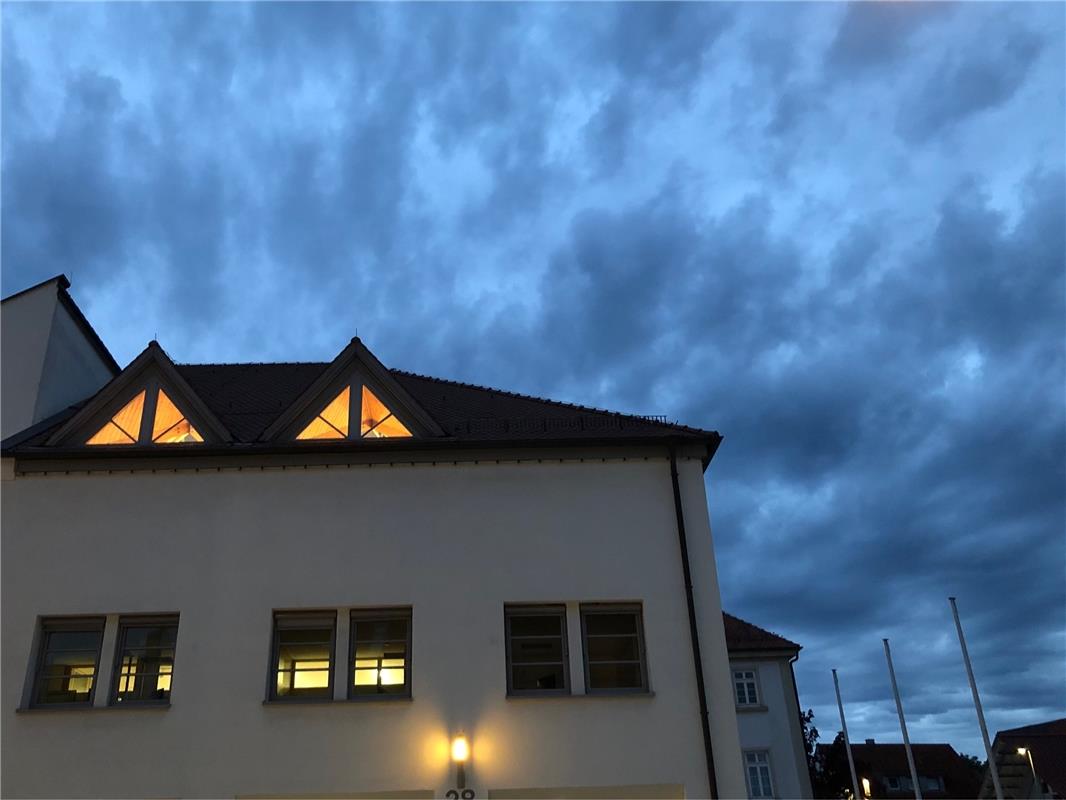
<point>747,221</point>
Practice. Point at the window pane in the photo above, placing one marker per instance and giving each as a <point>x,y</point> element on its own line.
<point>549,676</point>
<point>380,650</point>
<point>615,676</point>
<point>124,427</point>
<point>379,629</point>
<point>537,625</point>
<point>598,623</point>
<point>146,664</point>
<point>305,635</point>
<point>547,648</point>
<point>73,640</point>
<point>304,658</point>
<point>377,420</point>
<point>153,636</point>
<point>614,648</point>
<point>67,668</point>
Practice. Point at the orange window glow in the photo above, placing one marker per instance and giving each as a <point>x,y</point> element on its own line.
<point>332,422</point>
<point>377,422</point>
<point>124,427</point>
<point>170,425</point>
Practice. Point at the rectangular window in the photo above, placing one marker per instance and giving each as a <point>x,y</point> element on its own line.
<point>67,661</point>
<point>144,660</point>
<point>757,767</point>
<point>302,660</point>
<point>380,657</point>
<point>614,648</point>
<point>745,686</point>
<point>537,655</point>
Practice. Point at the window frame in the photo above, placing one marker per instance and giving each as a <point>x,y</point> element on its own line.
<point>150,386</point>
<point>296,620</point>
<point>557,610</point>
<point>637,609</point>
<point>48,625</point>
<point>125,622</point>
<point>754,670</point>
<point>355,383</point>
<point>357,615</point>
<point>769,772</point>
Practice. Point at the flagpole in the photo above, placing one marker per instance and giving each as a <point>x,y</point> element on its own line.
<point>903,724</point>
<point>977,702</point>
<point>847,743</point>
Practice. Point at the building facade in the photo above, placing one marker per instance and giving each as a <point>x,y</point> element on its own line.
<point>337,579</point>
<point>768,711</point>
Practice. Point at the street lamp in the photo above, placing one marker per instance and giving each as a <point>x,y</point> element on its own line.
<point>1025,752</point>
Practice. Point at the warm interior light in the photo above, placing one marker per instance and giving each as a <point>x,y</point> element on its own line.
<point>124,427</point>
<point>377,421</point>
<point>170,426</point>
<point>866,786</point>
<point>332,422</point>
<point>460,749</point>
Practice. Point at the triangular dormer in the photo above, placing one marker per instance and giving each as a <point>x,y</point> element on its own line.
<point>356,397</point>
<point>148,403</point>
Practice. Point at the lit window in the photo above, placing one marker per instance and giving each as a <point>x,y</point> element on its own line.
<point>124,427</point>
<point>145,664</point>
<point>170,425</point>
<point>377,421</point>
<point>67,661</point>
<point>381,654</point>
<point>614,648</point>
<point>537,660</point>
<point>332,423</point>
<point>757,767</point>
<point>302,660</point>
<point>744,685</point>
<point>866,787</point>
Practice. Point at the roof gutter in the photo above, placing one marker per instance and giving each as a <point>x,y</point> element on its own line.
<point>701,689</point>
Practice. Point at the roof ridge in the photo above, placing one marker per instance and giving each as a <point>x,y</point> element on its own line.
<point>537,399</point>
<point>255,364</point>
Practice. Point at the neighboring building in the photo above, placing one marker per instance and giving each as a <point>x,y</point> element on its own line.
<point>883,770</point>
<point>51,355</point>
<point>768,710</point>
<point>295,580</point>
<point>1031,762</point>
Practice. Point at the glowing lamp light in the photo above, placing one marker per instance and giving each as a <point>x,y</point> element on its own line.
<point>1022,751</point>
<point>460,749</point>
<point>866,786</point>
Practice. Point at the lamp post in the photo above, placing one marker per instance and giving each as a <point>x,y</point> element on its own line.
<point>1025,751</point>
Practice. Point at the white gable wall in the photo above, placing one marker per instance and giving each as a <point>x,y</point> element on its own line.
<point>25,328</point>
<point>73,370</point>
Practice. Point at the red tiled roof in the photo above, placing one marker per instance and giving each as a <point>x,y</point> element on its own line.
<point>743,636</point>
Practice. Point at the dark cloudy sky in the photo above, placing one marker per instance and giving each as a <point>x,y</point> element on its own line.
<point>833,233</point>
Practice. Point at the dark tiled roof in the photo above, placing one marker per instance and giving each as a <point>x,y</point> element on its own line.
<point>247,398</point>
<point>743,636</point>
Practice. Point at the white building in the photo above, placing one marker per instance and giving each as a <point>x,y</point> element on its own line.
<point>309,580</point>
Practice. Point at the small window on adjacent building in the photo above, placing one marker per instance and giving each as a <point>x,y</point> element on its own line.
<point>144,666</point>
<point>302,662</point>
<point>893,783</point>
<point>745,686</point>
<point>614,648</point>
<point>380,661</point>
<point>537,655</point>
<point>67,661</point>
<point>757,767</point>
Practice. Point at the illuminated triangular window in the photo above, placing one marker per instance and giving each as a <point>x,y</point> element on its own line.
<point>170,425</point>
<point>124,427</point>
<point>377,421</point>
<point>332,422</point>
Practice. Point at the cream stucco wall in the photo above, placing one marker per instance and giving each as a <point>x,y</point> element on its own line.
<point>774,725</point>
<point>454,542</point>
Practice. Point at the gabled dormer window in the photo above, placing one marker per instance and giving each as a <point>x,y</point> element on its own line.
<point>376,420</point>
<point>168,424</point>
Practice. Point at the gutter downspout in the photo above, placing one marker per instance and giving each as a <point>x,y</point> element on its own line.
<point>693,630</point>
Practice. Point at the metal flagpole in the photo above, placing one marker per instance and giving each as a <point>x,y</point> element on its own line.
<point>903,724</point>
<point>847,743</point>
<point>977,702</point>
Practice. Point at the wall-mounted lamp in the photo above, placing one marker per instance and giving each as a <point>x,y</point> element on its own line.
<point>460,755</point>
<point>1023,751</point>
<point>866,787</point>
